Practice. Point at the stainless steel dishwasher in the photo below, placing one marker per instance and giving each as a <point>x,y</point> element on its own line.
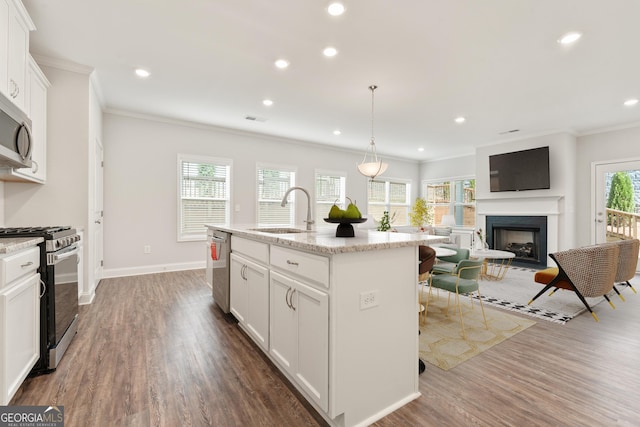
<point>218,246</point>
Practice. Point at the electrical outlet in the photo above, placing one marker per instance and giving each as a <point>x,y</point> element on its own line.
<point>368,299</point>
<point>147,249</point>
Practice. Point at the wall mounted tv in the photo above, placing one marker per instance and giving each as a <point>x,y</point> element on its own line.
<point>520,170</point>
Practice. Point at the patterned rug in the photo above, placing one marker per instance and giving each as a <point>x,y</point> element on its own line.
<point>441,341</point>
<point>518,287</point>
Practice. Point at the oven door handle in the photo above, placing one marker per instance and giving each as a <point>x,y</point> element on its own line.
<point>57,258</point>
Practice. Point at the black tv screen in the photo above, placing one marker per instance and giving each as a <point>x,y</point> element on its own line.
<point>520,170</point>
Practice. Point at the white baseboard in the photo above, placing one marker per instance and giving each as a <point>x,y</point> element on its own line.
<point>150,269</point>
<point>86,298</point>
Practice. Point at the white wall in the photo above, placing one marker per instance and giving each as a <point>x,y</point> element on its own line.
<point>617,145</point>
<point>140,184</point>
<point>448,168</point>
<point>62,200</point>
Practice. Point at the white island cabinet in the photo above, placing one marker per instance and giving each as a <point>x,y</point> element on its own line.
<point>342,315</point>
<point>249,288</point>
<point>19,312</point>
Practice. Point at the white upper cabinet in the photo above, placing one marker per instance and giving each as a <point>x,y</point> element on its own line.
<point>24,84</point>
<point>36,108</point>
<point>4,47</point>
<point>14,50</point>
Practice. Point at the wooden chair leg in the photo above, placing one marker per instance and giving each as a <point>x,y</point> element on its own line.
<point>618,292</point>
<point>609,301</point>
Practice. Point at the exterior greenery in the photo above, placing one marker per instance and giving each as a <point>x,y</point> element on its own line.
<point>621,193</point>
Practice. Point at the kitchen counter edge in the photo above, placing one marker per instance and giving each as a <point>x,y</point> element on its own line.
<point>324,240</point>
<point>14,244</point>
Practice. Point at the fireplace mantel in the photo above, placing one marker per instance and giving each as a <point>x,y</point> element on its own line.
<point>534,205</point>
<point>551,206</point>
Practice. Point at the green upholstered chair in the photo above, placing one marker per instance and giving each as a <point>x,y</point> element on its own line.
<point>462,280</point>
<point>447,264</point>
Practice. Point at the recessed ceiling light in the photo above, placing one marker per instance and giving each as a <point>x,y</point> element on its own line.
<point>282,63</point>
<point>460,119</point>
<point>337,132</point>
<point>569,38</point>
<point>335,9</point>
<point>630,102</point>
<point>140,72</point>
<point>330,51</point>
<point>267,102</point>
<point>421,149</point>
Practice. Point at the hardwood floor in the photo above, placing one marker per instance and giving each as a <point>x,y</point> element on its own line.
<point>154,350</point>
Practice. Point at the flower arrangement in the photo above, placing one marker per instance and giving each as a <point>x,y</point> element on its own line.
<point>480,234</point>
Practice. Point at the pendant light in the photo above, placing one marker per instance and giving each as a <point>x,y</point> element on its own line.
<point>371,166</point>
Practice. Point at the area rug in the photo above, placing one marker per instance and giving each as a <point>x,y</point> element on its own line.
<point>518,287</point>
<point>441,341</point>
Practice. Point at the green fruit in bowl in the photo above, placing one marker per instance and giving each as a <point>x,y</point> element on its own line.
<point>352,211</point>
<point>335,212</point>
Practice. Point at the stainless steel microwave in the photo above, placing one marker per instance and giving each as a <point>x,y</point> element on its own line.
<point>15,135</point>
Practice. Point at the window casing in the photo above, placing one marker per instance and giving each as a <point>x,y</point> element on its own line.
<point>392,196</point>
<point>273,182</point>
<point>204,190</point>
<point>455,197</point>
<point>330,189</point>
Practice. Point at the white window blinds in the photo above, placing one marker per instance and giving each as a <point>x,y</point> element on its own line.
<point>272,184</point>
<point>204,191</point>
<point>392,196</point>
<point>330,189</point>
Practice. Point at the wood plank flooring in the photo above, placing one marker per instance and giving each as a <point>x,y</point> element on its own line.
<point>154,350</point>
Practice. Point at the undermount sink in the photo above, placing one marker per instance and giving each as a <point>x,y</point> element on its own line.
<point>279,230</point>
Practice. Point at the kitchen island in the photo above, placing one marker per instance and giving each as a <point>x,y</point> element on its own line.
<point>338,316</point>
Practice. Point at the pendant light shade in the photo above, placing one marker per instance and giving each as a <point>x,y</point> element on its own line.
<point>371,166</point>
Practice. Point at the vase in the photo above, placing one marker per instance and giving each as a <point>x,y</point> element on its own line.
<point>481,245</point>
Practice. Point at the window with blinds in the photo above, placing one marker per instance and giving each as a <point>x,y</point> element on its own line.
<point>392,196</point>
<point>457,197</point>
<point>272,184</point>
<point>204,190</point>
<point>330,189</point>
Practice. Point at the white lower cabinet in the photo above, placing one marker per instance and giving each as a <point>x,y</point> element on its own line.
<point>19,319</point>
<point>299,334</point>
<point>249,297</point>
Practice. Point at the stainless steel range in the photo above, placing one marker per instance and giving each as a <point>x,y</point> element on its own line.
<point>59,259</point>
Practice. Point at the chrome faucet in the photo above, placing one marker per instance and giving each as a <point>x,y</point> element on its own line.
<point>309,221</point>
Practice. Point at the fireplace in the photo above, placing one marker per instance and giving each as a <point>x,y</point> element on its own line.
<point>525,236</point>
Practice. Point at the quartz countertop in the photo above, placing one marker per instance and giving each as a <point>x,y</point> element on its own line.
<point>325,241</point>
<point>13,244</point>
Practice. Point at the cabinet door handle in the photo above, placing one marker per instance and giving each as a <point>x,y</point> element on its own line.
<point>30,263</point>
<point>34,166</point>
<point>291,262</point>
<point>293,307</point>
<point>286,298</point>
<point>243,272</point>
<point>44,288</point>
